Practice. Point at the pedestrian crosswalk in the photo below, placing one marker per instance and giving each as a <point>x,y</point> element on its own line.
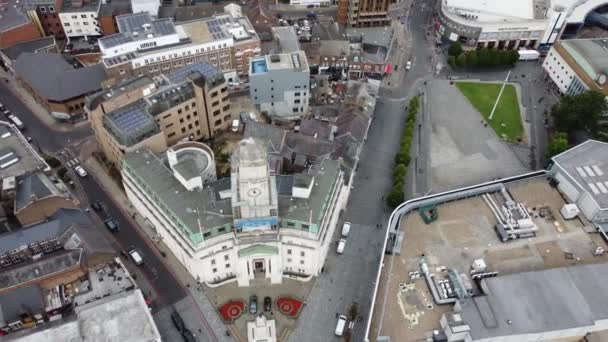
<point>72,162</point>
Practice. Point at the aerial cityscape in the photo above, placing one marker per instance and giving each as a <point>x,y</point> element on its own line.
<point>303,170</point>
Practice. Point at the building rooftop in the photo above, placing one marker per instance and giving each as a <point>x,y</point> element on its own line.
<point>27,159</point>
<point>286,38</point>
<point>31,46</point>
<point>295,61</point>
<point>13,14</point>
<point>131,124</point>
<point>192,162</point>
<point>187,13</point>
<point>199,210</point>
<point>329,31</point>
<point>587,165</point>
<point>124,316</point>
<point>490,11</point>
<point>36,185</point>
<point>591,55</point>
<point>24,300</point>
<point>525,303</point>
<point>115,7</point>
<point>55,79</point>
<point>70,6</point>
<point>136,27</point>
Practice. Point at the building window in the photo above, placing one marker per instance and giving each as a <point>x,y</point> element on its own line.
<point>43,9</point>
<point>171,135</point>
<point>301,262</point>
<point>84,16</point>
<point>302,254</point>
<point>296,94</point>
<point>227,265</point>
<point>198,132</point>
<point>216,113</point>
<point>295,109</point>
<point>290,224</point>
<point>226,107</point>
<point>193,104</point>
<point>188,117</point>
<point>218,122</point>
<point>305,226</point>
<point>288,259</point>
<point>289,252</point>
<point>67,24</point>
<point>196,123</point>
<point>214,270</point>
<point>181,120</point>
<point>122,71</point>
<point>52,9</point>
<point>212,261</point>
<point>296,101</point>
<point>226,257</point>
<point>189,126</point>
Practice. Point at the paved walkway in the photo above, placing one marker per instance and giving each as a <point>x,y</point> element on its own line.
<point>208,313</point>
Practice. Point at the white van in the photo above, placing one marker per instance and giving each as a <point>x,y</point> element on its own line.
<point>346,229</point>
<point>341,246</point>
<point>341,325</point>
<point>235,125</point>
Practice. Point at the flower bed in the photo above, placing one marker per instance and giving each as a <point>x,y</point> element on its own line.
<point>289,306</point>
<point>232,310</point>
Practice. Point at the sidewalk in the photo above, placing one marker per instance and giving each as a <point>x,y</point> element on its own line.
<point>207,311</point>
<point>40,112</point>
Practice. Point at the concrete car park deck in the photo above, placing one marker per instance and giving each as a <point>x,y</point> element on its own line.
<point>464,232</point>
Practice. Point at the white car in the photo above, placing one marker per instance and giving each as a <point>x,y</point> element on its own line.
<point>341,246</point>
<point>408,65</point>
<point>80,171</point>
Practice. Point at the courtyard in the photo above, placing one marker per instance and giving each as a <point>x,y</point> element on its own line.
<point>506,120</point>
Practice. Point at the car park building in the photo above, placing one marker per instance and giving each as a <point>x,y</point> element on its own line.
<point>535,24</point>
<point>254,225</point>
<point>578,65</point>
<point>190,103</point>
<point>147,46</point>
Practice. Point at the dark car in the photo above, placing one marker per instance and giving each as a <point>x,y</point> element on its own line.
<point>97,206</point>
<point>188,336</point>
<point>111,224</point>
<point>267,303</point>
<point>177,321</point>
<point>253,304</point>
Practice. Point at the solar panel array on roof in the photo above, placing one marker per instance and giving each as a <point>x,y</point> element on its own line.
<point>215,28</point>
<point>115,40</point>
<point>207,70</point>
<point>128,124</point>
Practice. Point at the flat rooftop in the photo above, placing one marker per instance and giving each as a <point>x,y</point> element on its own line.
<point>487,11</point>
<point>121,317</point>
<point>587,165</point>
<point>295,61</point>
<point>287,38</point>
<point>464,232</point>
<point>87,6</point>
<point>27,159</point>
<point>137,27</point>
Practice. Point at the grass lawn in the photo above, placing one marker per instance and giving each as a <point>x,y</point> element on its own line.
<point>507,119</point>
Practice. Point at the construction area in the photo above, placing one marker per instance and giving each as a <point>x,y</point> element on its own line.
<point>449,247</point>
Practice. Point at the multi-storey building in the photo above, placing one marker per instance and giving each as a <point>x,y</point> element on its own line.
<point>146,46</point>
<point>108,12</point>
<point>577,65</point>
<point>190,103</point>
<point>80,18</point>
<point>48,15</point>
<point>279,84</point>
<point>364,13</point>
<point>254,225</point>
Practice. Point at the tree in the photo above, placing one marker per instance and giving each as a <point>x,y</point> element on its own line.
<point>452,61</point>
<point>513,56</point>
<point>504,57</point>
<point>582,111</point>
<point>399,172</point>
<point>455,49</point>
<point>484,57</point>
<point>493,57</point>
<point>395,197</point>
<point>52,161</point>
<point>472,59</point>
<point>461,60</point>
<point>557,144</point>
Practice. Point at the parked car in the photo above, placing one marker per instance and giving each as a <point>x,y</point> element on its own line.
<point>408,65</point>
<point>80,171</point>
<point>267,303</point>
<point>135,256</point>
<point>346,229</point>
<point>341,246</point>
<point>253,304</point>
<point>111,224</point>
<point>340,325</point>
<point>97,206</point>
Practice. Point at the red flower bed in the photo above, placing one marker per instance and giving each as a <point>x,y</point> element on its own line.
<point>289,306</point>
<point>232,310</point>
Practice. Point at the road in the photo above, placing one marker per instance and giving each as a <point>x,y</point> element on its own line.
<point>349,278</point>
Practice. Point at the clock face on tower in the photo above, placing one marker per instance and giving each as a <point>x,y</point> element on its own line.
<point>254,192</point>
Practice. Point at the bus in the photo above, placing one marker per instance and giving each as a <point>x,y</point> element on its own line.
<point>528,55</point>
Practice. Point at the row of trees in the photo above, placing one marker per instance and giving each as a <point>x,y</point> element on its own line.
<point>482,58</point>
<point>403,157</point>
